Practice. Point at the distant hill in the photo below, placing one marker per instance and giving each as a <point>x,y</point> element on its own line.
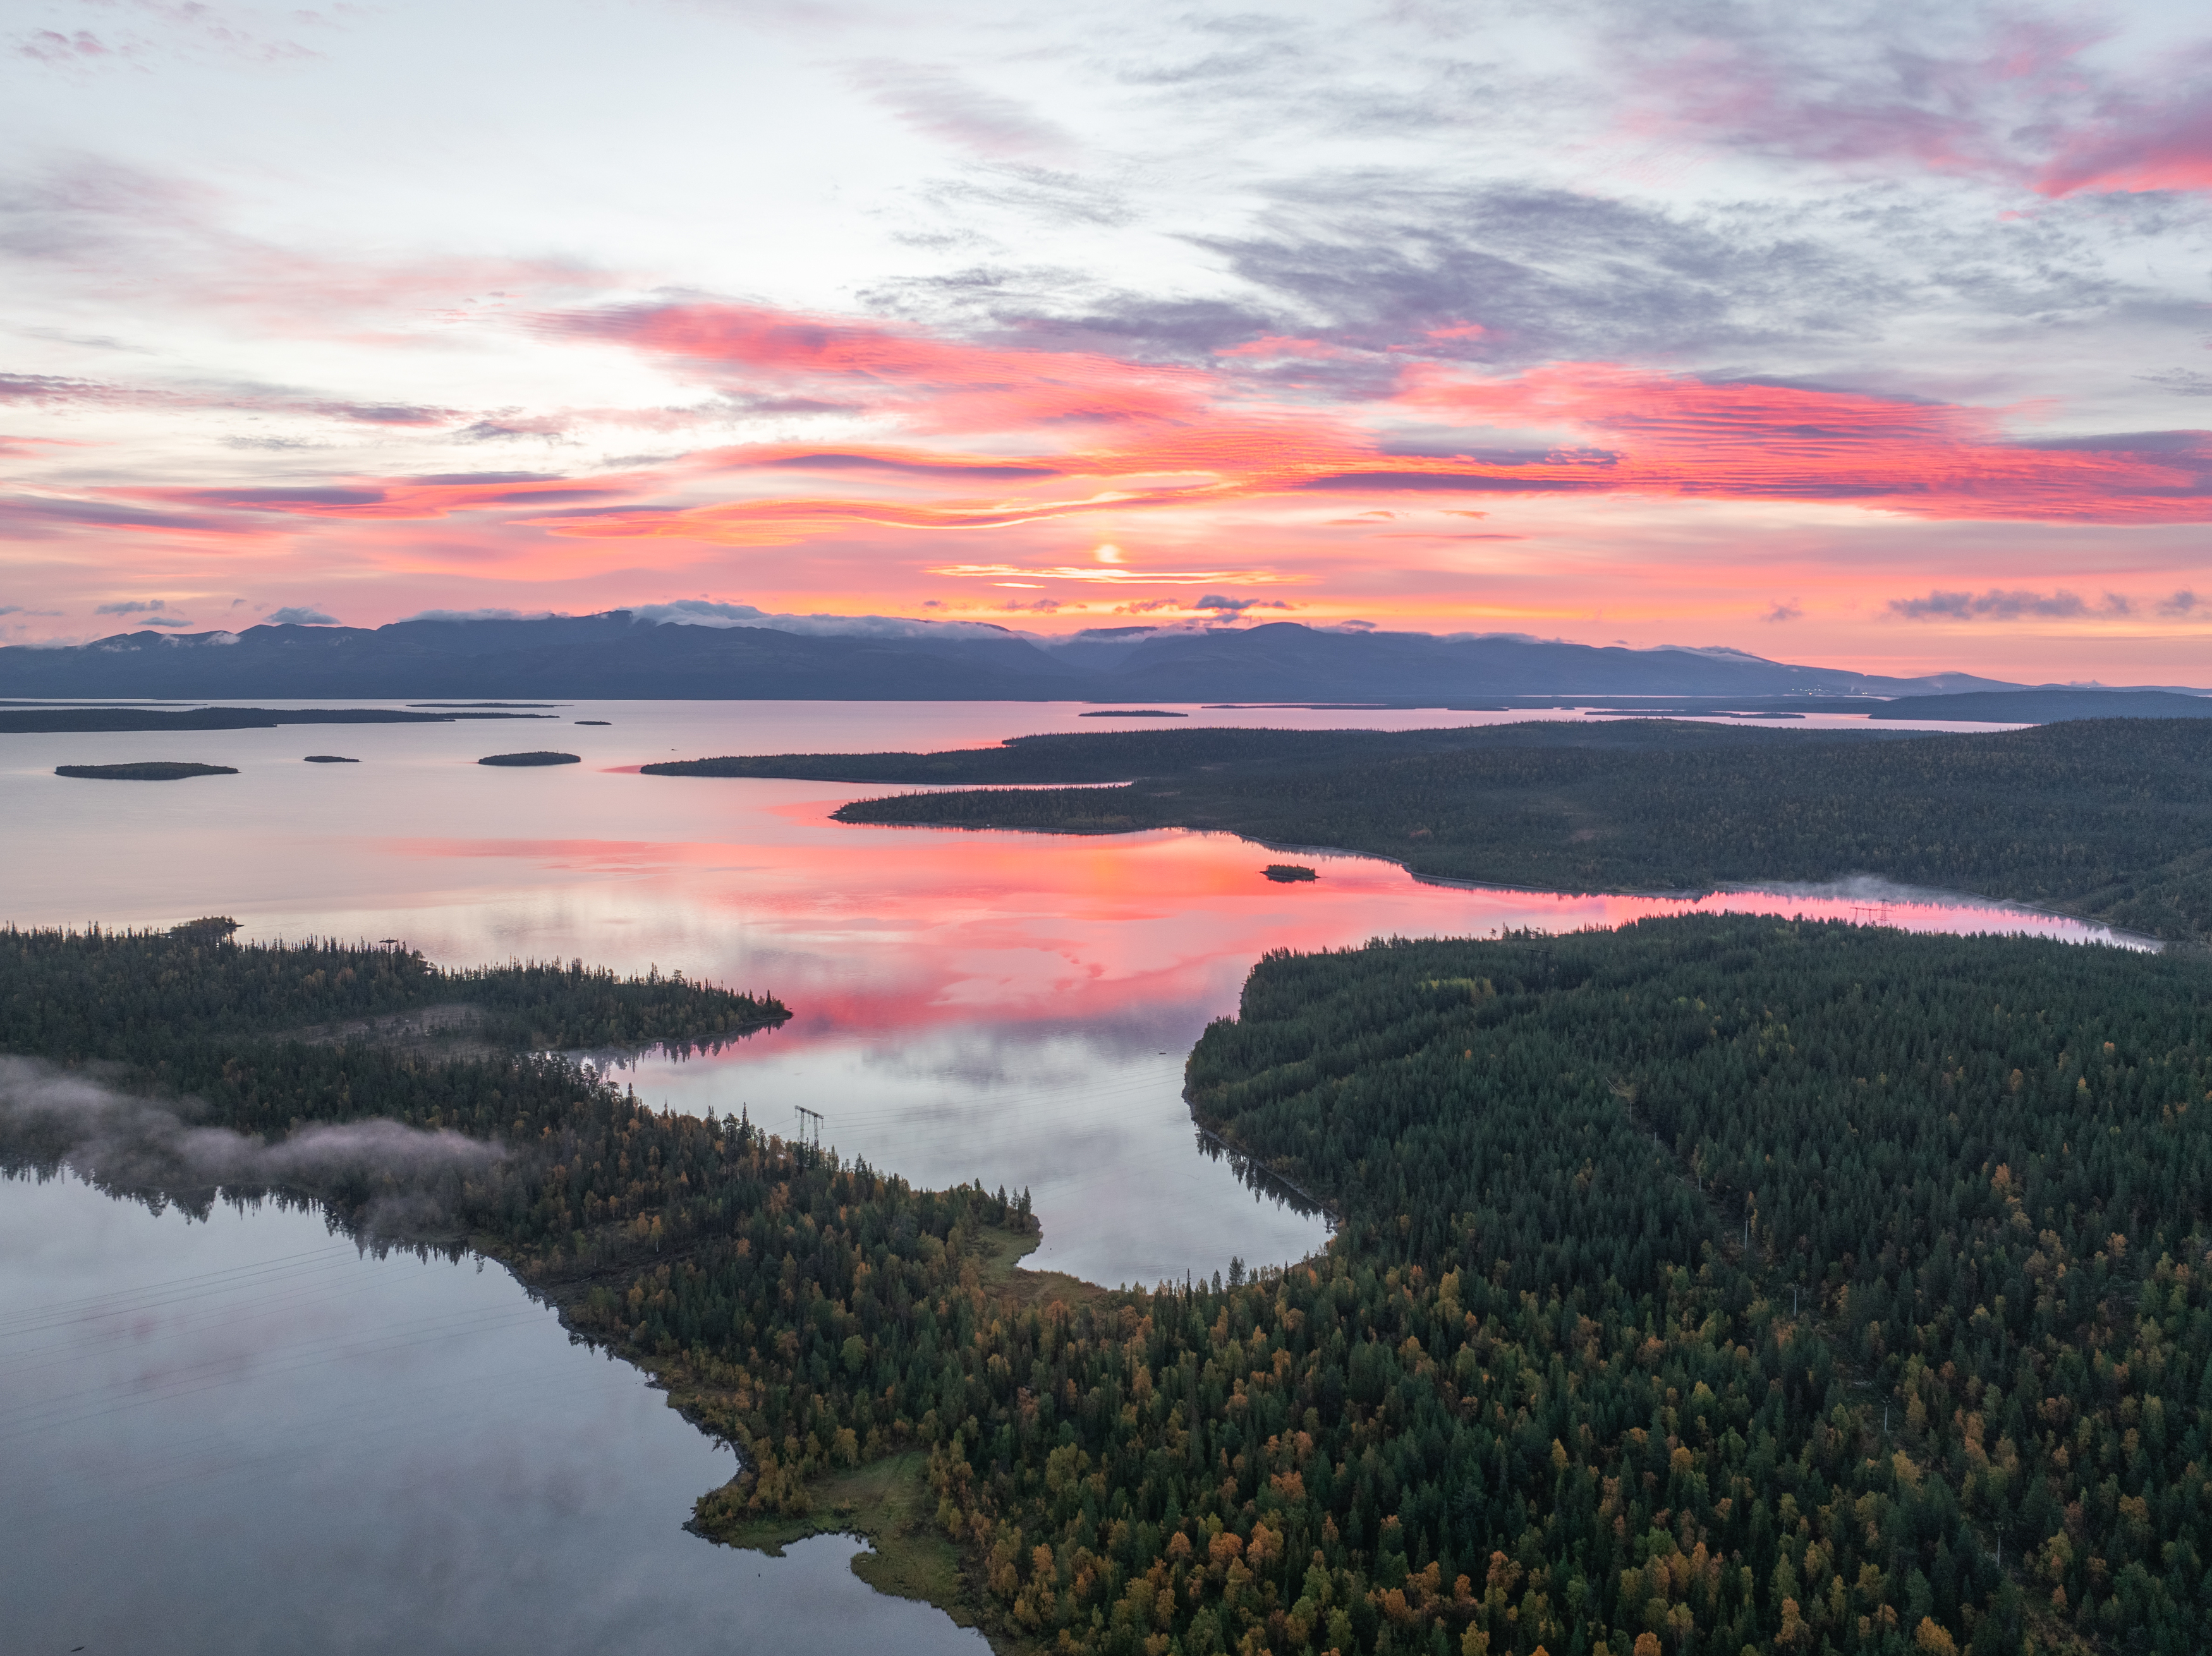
<point>1286,662</point>
<point>622,655</point>
<point>2047,706</point>
<point>49,720</point>
<point>611,655</point>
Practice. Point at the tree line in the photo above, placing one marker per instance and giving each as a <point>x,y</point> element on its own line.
<point>135,995</point>
<point>1869,1266</point>
<point>1715,1283</point>
<point>2107,818</point>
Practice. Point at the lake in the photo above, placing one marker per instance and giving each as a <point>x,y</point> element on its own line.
<point>237,1433</point>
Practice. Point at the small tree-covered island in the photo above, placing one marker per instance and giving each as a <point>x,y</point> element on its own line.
<point>1712,1284</point>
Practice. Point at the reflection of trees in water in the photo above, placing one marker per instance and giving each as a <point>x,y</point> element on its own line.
<point>372,1178</point>
<point>603,1059</point>
<point>374,1226</point>
<point>1264,1182</point>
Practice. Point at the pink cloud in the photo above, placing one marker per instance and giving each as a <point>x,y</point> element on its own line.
<point>1624,431</point>
<point>47,45</point>
<point>936,385</point>
<point>15,447</point>
<point>2020,101</point>
<point>1177,437</point>
<point>2160,145</point>
<point>1189,449</point>
<point>1679,435</point>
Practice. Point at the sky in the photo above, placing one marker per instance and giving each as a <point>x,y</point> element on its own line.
<point>1869,335</point>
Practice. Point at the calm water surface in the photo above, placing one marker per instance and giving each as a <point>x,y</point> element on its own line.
<point>237,1433</point>
<point>242,1436</point>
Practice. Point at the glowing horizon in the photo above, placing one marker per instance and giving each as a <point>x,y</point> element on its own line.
<point>1870,342</point>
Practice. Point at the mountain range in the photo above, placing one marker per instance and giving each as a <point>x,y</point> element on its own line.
<point>626,654</point>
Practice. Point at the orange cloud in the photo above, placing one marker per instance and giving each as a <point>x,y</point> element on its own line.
<point>1629,433</point>
<point>937,384</point>
<point>1117,577</point>
<point>779,522</point>
<point>1092,435</point>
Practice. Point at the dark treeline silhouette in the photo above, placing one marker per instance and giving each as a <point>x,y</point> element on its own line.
<point>266,1039</point>
<point>2107,818</point>
<point>145,997</point>
<point>1717,1283</point>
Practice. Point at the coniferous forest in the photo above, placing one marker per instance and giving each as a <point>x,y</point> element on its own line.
<point>1712,1284</point>
<point>2107,818</point>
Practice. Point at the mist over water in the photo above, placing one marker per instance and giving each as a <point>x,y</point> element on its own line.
<point>125,1143</point>
<point>226,1428</point>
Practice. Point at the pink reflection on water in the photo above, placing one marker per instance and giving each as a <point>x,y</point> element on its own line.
<point>885,930</point>
<point>968,1005</point>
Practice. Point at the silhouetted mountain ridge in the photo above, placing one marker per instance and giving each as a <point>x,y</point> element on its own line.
<point>618,654</point>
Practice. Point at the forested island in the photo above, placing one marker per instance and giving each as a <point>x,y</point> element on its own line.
<point>2109,819</point>
<point>145,770</point>
<point>1715,1283</point>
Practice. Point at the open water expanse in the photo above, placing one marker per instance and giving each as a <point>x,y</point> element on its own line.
<point>237,1433</point>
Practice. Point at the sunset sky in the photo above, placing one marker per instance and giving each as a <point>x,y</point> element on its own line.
<point>1868,335</point>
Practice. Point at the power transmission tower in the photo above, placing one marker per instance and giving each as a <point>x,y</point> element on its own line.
<point>806,1115</point>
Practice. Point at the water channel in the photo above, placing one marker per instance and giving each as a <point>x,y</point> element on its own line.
<point>237,1431</point>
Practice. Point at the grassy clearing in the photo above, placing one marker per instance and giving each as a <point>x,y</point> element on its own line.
<point>889,1502</point>
<point>1000,1254</point>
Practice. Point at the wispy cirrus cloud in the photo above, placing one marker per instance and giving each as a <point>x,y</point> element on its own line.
<point>940,102</point>
<point>72,48</point>
<point>437,495</point>
<point>2155,136</point>
<point>1997,92</point>
<point>54,391</point>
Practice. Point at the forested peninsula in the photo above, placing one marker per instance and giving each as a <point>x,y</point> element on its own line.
<point>2109,819</point>
<point>1715,1283</point>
